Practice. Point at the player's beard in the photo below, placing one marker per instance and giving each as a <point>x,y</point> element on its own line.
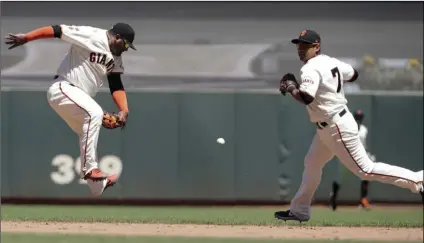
<point>302,55</point>
<point>115,52</point>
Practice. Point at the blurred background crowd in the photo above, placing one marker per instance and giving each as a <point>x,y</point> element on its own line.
<point>228,44</point>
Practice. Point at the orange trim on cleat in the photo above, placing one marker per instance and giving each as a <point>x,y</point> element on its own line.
<point>95,175</point>
<point>365,203</point>
<point>111,181</point>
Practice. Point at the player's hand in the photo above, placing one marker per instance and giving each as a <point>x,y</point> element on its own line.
<point>123,116</point>
<point>15,40</point>
<point>288,83</point>
<point>283,87</point>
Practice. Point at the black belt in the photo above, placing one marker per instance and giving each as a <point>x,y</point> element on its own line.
<point>321,125</point>
<point>57,76</point>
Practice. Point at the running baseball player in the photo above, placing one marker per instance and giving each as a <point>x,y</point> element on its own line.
<point>362,132</point>
<point>321,91</point>
<point>94,54</point>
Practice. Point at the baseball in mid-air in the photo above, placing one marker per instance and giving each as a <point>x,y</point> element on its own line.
<point>220,140</point>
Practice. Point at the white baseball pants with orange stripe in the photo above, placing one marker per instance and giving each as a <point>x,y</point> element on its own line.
<point>83,115</point>
<point>340,138</point>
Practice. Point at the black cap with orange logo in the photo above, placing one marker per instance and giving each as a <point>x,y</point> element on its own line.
<point>307,37</point>
<point>126,32</point>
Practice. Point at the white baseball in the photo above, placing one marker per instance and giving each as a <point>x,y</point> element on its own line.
<point>220,141</point>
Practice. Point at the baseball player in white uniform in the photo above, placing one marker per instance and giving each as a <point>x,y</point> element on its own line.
<point>94,54</point>
<point>321,90</point>
<point>362,132</point>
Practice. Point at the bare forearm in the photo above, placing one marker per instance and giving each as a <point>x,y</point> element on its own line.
<point>44,33</point>
<point>120,99</point>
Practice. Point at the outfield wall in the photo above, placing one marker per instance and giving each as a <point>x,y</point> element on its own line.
<point>168,152</point>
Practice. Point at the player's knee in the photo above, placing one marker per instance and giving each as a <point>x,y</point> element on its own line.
<point>367,167</point>
<point>97,115</point>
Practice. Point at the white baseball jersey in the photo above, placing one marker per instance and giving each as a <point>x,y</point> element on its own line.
<point>322,77</point>
<point>89,59</point>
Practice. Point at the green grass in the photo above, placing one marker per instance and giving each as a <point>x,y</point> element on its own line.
<point>384,217</point>
<point>43,238</point>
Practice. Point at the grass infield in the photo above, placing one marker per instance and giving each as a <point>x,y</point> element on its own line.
<point>353,217</point>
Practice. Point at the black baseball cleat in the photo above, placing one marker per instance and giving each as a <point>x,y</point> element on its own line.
<point>422,193</point>
<point>287,215</point>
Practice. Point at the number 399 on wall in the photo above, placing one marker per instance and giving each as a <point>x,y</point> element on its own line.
<point>68,169</point>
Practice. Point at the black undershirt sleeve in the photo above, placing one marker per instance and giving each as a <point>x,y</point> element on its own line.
<point>354,77</point>
<point>115,82</point>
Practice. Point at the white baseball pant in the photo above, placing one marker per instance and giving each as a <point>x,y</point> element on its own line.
<point>340,138</point>
<point>83,115</point>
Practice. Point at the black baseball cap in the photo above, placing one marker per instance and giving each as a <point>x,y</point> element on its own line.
<point>126,32</point>
<point>307,37</point>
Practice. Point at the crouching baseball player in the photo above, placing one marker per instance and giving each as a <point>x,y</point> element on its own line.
<point>93,55</point>
<point>321,91</point>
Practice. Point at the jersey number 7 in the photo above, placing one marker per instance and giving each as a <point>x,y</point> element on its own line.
<point>335,71</point>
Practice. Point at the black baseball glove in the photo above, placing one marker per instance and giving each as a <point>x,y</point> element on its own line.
<point>288,83</point>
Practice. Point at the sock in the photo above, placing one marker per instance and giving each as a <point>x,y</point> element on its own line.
<point>364,189</point>
<point>334,194</point>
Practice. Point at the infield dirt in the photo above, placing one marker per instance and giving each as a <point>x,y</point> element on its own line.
<point>276,232</point>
